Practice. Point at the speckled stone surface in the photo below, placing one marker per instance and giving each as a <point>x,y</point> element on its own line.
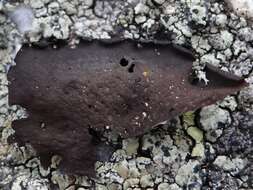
<point>207,149</point>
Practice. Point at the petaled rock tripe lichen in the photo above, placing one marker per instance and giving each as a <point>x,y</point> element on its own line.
<point>126,86</point>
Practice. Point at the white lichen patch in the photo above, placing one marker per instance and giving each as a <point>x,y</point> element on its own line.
<point>229,102</point>
<point>146,181</point>
<point>25,181</point>
<point>23,17</point>
<point>230,165</point>
<point>221,41</point>
<point>186,175</point>
<point>214,120</point>
<point>242,7</point>
<point>166,186</point>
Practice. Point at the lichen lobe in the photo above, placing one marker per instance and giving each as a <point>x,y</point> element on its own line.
<point>127,87</point>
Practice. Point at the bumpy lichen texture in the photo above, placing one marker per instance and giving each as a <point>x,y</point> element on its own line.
<point>162,159</point>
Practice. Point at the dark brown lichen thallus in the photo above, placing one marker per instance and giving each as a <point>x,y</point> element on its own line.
<point>128,87</point>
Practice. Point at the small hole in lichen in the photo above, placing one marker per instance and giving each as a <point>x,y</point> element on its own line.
<point>123,62</point>
<point>131,68</point>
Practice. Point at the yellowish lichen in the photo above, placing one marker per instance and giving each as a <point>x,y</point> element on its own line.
<point>188,119</point>
<point>195,133</point>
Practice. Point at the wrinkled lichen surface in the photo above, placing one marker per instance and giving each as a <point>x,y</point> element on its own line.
<point>207,149</point>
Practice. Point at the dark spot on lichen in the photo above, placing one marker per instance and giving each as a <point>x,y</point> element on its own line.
<point>196,11</point>
<point>165,150</point>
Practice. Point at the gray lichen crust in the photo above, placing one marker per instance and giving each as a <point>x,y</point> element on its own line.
<point>207,149</point>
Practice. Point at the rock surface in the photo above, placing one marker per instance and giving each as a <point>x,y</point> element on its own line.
<point>189,23</point>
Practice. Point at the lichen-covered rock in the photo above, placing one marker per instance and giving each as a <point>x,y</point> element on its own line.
<point>198,150</point>
<point>237,140</point>
<point>246,98</point>
<point>242,7</point>
<point>199,15</point>
<point>122,169</point>
<point>168,21</point>
<point>131,146</point>
<point>195,133</point>
<point>222,40</point>
<point>187,175</point>
<point>217,179</point>
<point>214,120</point>
<point>146,181</point>
<point>234,166</point>
<point>229,102</point>
<point>131,183</point>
